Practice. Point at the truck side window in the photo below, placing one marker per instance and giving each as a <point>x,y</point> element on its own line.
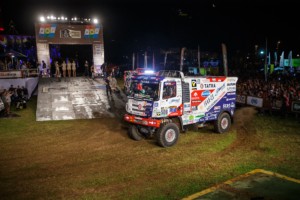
<point>169,90</point>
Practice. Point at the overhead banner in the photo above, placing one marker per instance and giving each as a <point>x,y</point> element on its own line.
<point>73,34</point>
<point>68,33</point>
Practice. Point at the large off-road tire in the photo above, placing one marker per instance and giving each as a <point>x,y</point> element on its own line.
<point>223,123</point>
<point>167,135</point>
<point>134,133</point>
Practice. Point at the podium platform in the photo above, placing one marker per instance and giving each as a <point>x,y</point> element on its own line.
<point>72,98</point>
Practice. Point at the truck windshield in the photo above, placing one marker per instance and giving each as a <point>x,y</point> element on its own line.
<point>144,90</point>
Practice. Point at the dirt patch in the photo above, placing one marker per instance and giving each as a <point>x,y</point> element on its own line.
<point>245,128</point>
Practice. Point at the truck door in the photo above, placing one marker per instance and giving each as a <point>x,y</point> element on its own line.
<point>171,99</point>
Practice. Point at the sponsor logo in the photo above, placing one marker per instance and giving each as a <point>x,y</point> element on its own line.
<point>231,84</point>
<point>164,111</point>
<point>185,121</point>
<point>209,85</point>
<point>199,116</point>
<point>226,105</point>
<point>175,101</point>
<point>187,105</point>
<point>231,93</point>
<point>231,79</point>
<point>173,109</point>
<point>196,101</point>
<point>211,115</point>
<point>217,107</point>
<point>195,95</point>
<point>230,99</point>
<point>210,118</point>
<point>194,83</point>
<point>205,93</point>
<point>231,89</point>
<point>152,122</point>
<point>219,89</point>
<point>208,100</point>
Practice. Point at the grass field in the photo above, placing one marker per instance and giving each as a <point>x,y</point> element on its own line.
<point>95,159</point>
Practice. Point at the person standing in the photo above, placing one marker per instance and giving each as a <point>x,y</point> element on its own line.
<point>64,68</point>
<point>108,88</point>
<point>25,92</point>
<point>57,71</point>
<point>74,68</point>
<point>69,67</point>
<point>7,101</point>
<point>93,71</point>
<point>44,68</point>
<point>86,68</point>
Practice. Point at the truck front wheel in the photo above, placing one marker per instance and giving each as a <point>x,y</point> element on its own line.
<point>223,123</point>
<point>167,135</point>
<point>134,133</point>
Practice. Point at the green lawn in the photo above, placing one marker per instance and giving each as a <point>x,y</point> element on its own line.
<point>95,159</point>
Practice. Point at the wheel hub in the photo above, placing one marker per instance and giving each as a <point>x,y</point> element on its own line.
<point>170,135</point>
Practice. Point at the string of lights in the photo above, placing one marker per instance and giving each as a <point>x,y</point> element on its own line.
<point>63,19</point>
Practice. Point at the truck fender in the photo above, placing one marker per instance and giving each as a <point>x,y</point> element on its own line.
<point>179,123</point>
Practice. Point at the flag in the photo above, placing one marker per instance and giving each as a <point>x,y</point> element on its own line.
<point>153,62</point>
<point>275,59</point>
<point>266,61</point>
<point>182,58</point>
<point>224,52</point>
<point>269,59</point>
<point>281,61</point>
<point>145,60</point>
<point>133,61</point>
<point>165,61</point>
<point>290,57</point>
<point>198,56</point>
<point>271,68</point>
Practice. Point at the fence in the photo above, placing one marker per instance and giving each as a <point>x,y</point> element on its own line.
<point>265,104</point>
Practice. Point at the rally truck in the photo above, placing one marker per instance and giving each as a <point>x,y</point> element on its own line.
<point>168,103</point>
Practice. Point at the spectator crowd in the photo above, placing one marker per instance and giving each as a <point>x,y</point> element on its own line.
<point>14,96</point>
<point>279,91</point>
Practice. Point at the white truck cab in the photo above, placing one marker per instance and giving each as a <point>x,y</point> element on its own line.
<point>168,103</point>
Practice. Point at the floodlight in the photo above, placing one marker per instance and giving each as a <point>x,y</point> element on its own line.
<point>95,21</point>
<point>42,19</point>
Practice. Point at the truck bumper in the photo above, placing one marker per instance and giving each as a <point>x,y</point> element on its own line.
<point>142,121</point>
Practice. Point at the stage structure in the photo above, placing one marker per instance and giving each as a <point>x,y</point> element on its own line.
<point>66,33</point>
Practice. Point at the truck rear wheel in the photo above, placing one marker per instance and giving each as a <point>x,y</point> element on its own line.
<point>134,133</point>
<point>167,135</point>
<point>223,123</point>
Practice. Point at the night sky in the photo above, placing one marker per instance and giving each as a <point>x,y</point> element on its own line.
<point>136,25</point>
